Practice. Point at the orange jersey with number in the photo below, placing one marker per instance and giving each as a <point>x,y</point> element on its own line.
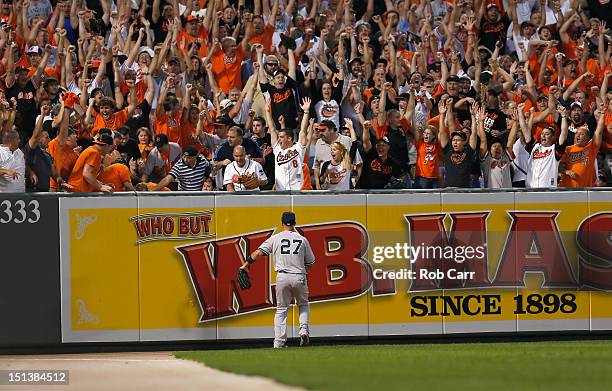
<point>428,160</point>
<point>581,160</point>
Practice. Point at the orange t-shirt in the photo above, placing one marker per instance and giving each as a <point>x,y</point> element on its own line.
<point>144,151</point>
<point>168,125</point>
<point>141,89</point>
<point>549,120</point>
<point>187,132</point>
<point>184,39</point>
<point>226,71</point>
<point>380,129</point>
<point>113,123</point>
<point>116,174</point>
<point>64,159</point>
<point>428,160</point>
<point>570,49</point>
<point>264,39</point>
<point>91,157</point>
<point>581,160</point>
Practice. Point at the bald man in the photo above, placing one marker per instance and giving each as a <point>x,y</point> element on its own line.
<point>243,174</point>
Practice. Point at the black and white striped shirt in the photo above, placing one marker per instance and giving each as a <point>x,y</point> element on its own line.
<point>191,178</point>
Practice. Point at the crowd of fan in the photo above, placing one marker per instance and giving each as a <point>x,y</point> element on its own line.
<point>204,95</point>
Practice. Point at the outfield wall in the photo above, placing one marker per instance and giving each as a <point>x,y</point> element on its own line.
<point>161,267</point>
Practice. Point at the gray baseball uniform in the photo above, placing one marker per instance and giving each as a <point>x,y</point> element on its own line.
<point>292,254</point>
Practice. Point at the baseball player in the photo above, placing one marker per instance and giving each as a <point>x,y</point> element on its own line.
<point>293,258</point>
<point>289,155</point>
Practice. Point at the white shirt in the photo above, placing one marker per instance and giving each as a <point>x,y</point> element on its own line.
<point>233,173</point>
<point>288,166</point>
<point>14,161</point>
<point>290,250</point>
<point>315,50</point>
<point>339,175</point>
<point>550,15</point>
<point>323,151</point>
<point>521,160</point>
<point>543,167</point>
<point>496,171</point>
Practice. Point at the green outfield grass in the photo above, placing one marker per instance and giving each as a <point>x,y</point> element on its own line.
<point>574,365</point>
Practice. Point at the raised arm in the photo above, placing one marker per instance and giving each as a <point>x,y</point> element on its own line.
<point>566,25</point>
<point>480,116</point>
<point>135,48</point>
<point>292,66</point>
<point>33,141</point>
<point>572,87</point>
<point>271,125</point>
<point>513,132</point>
<point>564,125</point>
<point>522,123</point>
<point>601,125</point>
<point>442,133</point>
<point>162,96</point>
<point>304,125</point>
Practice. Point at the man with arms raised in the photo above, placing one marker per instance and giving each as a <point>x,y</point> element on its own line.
<point>544,156</point>
<point>289,155</point>
<point>578,162</point>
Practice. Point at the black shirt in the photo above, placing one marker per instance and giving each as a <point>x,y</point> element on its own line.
<point>26,107</point>
<point>40,162</point>
<point>139,118</point>
<point>458,166</point>
<point>491,32</point>
<point>130,149</point>
<point>376,172</point>
<point>269,164</point>
<point>495,119</point>
<point>399,147</point>
<point>283,103</point>
<point>225,151</point>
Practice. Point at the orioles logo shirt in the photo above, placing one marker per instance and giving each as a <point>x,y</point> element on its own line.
<point>288,166</point>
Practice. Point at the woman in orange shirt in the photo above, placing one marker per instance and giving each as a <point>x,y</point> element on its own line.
<point>429,154</point>
<point>145,136</point>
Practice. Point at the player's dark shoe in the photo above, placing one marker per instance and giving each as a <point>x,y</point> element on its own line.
<point>304,340</point>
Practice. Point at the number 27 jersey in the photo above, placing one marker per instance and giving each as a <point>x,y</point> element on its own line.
<point>288,166</point>
<point>290,250</point>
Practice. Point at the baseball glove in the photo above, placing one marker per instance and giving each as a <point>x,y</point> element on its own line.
<point>249,181</point>
<point>243,279</point>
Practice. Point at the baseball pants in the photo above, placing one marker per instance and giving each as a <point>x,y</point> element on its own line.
<point>289,286</point>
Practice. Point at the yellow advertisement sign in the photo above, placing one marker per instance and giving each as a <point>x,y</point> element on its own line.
<point>386,264</point>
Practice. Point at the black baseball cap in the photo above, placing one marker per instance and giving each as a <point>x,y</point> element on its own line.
<point>327,124</point>
<point>224,120</point>
<point>190,150</point>
<point>384,139</point>
<point>160,140</point>
<point>104,139</point>
<point>460,134</point>
<point>454,78</point>
<point>288,219</point>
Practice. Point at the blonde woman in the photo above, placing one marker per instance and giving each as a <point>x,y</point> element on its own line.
<point>336,173</point>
